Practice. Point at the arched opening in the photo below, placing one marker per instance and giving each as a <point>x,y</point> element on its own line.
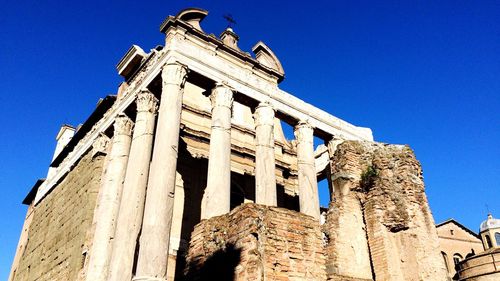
<point>497,238</point>
<point>445,258</point>
<point>488,241</point>
<point>457,258</point>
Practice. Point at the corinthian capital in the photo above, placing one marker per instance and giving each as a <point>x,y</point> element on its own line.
<point>174,73</point>
<point>303,132</point>
<point>100,145</point>
<point>146,102</point>
<point>123,125</point>
<point>221,95</point>
<point>264,114</point>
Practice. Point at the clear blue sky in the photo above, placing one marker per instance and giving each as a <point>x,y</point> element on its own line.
<point>423,73</point>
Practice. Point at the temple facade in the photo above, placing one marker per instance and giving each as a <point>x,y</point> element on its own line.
<point>186,174</point>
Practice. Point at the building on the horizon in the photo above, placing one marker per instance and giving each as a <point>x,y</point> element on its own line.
<point>456,242</point>
<point>484,265</point>
<point>186,174</point>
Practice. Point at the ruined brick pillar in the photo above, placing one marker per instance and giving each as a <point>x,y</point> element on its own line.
<point>401,229</point>
<point>348,257</point>
<point>402,238</point>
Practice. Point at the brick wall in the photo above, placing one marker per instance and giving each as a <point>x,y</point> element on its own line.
<point>256,242</point>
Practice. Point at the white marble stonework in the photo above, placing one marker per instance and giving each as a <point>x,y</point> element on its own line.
<point>308,184</point>
<point>216,199</point>
<point>265,175</point>
<point>152,261</point>
<point>109,200</point>
<point>134,190</point>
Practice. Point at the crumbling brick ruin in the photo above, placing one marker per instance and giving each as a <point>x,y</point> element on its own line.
<point>378,227</point>
<point>379,214</point>
<point>186,174</point>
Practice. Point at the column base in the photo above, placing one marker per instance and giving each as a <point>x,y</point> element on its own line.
<point>147,278</point>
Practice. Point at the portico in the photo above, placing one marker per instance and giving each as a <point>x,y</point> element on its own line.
<point>208,135</point>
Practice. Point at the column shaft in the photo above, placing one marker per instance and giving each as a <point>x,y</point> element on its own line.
<point>109,200</point>
<point>265,175</point>
<point>134,189</point>
<point>308,183</point>
<point>157,221</point>
<point>216,199</point>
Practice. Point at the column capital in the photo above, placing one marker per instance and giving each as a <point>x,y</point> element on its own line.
<point>264,114</point>
<point>100,145</point>
<point>222,95</point>
<point>332,145</point>
<point>123,125</point>
<point>146,102</point>
<point>304,132</point>
<point>174,73</point>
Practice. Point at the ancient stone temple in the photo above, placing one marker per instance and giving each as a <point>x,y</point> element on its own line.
<point>186,174</point>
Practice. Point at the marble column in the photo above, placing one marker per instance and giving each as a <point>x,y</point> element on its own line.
<point>158,209</point>
<point>265,177</point>
<point>134,189</point>
<point>308,183</point>
<point>216,199</point>
<point>109,200</point>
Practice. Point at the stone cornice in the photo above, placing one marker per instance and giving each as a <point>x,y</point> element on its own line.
<point>130,62</point>
<point>172,22</point>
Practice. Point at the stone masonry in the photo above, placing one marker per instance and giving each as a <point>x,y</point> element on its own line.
<point>56,249</point>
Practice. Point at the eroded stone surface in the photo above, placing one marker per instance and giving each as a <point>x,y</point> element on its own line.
<point>384,184</point>
<point>57,244</point>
